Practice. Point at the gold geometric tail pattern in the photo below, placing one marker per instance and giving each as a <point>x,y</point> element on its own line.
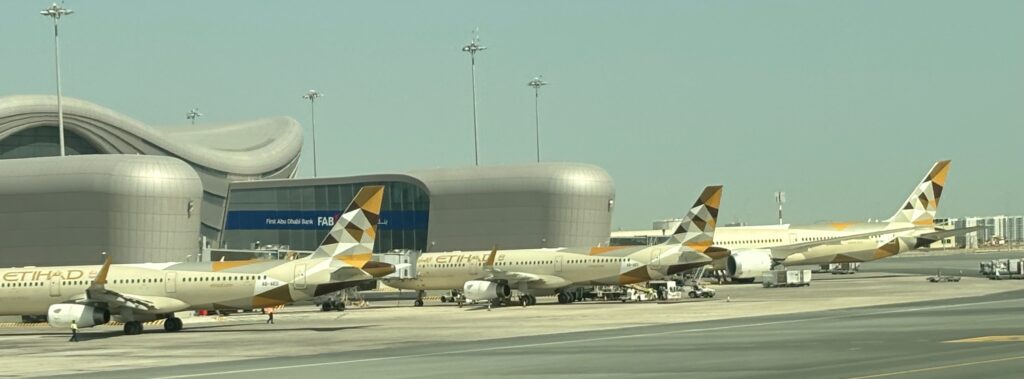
<point>352,238</point>
<point>923,203</point>
<point>697,230</point>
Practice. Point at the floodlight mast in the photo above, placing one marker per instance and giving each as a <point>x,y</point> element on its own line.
<point>472,48</point>
<point>780,198</point>
<point>56,12</point>
<point>312,95</point>
<point>536,83</point>
<point>193,115</point>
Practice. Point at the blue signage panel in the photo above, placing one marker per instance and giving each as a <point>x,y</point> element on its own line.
<point>314,220</point>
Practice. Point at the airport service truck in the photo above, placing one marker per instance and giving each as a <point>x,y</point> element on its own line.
<point>998,269</point>
<point>786,278</point>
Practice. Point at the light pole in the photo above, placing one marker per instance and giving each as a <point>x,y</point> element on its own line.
<point>55,11</point>
<point>536,83</point>
<point>780,198</point>
<point>193,114</point>
<point>312,95</point>
<point>472,48</point>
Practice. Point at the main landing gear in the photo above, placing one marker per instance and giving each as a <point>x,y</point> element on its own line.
<point>567,297</point>
<point>132,328</point>
<point>333,305</point>
<point>526,300</point>
<point>171,324</point>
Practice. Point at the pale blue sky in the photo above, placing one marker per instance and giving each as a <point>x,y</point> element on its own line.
<point>842,104</point>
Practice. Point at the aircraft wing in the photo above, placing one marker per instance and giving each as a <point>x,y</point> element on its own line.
<point>928,238</point>
<point>783,251</point>
<point>98,293</point>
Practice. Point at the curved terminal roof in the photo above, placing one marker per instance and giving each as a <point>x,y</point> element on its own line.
<point>219,153</point>
<point>125,175</point>
<point>260,148</point>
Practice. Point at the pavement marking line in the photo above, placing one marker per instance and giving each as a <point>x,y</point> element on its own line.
<point>989,339</point>
<point>584,340</point>
<point>936,368</point>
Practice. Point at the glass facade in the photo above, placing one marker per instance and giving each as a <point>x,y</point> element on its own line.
<point>301,216</point>
<point>43,141</point>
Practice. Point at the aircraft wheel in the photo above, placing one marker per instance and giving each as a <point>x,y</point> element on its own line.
<point>418,303</point>
<point>178,324</point>
<point>444,299</point>
<point>173,324</point>
<point>132,328</point>
<point>563,298</point>
<point>531,299</point>
<point>326,307</point>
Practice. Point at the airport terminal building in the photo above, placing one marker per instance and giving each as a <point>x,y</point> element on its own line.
<point>475,208</point>
<point>150,194</point>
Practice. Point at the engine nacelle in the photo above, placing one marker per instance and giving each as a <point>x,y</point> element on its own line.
<point>485,290</point>
<point>749,264</point>
<point>61,315</point>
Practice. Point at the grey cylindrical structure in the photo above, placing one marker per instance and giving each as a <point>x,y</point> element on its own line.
<point>518,206</point>
<point>66,211</point>
<point>219,153</point>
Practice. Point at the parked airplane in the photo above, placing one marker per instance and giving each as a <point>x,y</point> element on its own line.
<point>490,276</point>
<point>751,250</point>
<point>136,293</point>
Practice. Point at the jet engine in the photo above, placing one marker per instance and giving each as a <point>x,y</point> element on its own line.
<point>749,264</point>
<point>485,290</point>
<point>61,315</point>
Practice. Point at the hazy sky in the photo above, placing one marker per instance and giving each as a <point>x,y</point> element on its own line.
<point>842,104</point>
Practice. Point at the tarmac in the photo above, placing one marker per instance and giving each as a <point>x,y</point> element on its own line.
<point>844,326</point>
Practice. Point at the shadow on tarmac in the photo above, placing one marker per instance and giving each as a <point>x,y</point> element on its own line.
<point>104,334</point>
<point>267,328</point>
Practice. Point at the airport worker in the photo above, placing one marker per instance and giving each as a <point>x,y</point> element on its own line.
<point>74,331</point>
<point>270,315</point>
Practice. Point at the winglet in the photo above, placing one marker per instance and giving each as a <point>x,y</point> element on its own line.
<point>923,202</point>
<point>490,258</point>
<point>697,230</point>
<point>352,238</point>
<point>101,277</point>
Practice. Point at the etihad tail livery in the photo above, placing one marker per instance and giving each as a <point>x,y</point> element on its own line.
<point>756,249</point>
<point>136,293</point>
<point>491,276</point>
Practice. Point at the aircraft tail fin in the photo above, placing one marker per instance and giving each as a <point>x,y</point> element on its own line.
<point>923,202</point>
<point>352,238</point>
<point>101,277</point>
<point>697,230</point>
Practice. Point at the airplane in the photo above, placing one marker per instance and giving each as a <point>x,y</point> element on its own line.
<point>137,293</point>
<point>748,251</point>
<point>491,276</point>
